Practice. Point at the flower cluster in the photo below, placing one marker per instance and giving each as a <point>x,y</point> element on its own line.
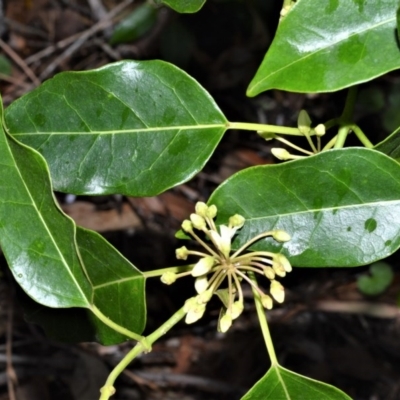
<point>220,264</point>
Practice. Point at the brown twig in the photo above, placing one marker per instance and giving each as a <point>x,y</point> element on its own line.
<point>79,39</point>
<point>20,62</point>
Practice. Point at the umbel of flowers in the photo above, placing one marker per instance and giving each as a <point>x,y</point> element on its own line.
<point>218,264</point>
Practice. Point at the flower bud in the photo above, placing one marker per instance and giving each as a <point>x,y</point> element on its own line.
<point>304,122</point>
<point>212,211</point>
<point>283,261</point>
<point>280,153</point>
<point>236,309</point>
<point>201,284</point>
<point>205,297</point>
<point>278,269</point>
<point>195,313</point>
<point>281,236</point>
<point>182,253</point>
<point>266,301</point>
<point>201,209</point>
<point>277,291</point>
<point>189,303</point>
<point>224,323</point>
<point>187,226</point>
<point>203,266</point>
<point>236,221</point>
<point>198,221</point>
<point>269,273</point>
<point>168,278</point>
<point>320,130</point>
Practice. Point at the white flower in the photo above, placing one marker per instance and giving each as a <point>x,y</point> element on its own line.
<point>203,266</point>
<point>201,284</point>
<point>198,221</point>
<point>223,241</point>
<point>195,312</point>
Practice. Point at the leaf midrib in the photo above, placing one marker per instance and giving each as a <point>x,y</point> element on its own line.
<point>369,204</point>
<point>113,132</point>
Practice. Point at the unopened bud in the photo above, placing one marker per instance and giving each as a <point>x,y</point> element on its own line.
<point>182,253</point>
<point>195,313</point>
<point>280,153</point>
<point>278,269</point>
<point>269,273</point>
<point>201,209</point>
<point>304,122</point>
<point>236,309</point>
<point>187,226</point>
<point>212,211</point>
<point>266,301</point>
<point>236,221</point>
<point>225,323</point>
<point>168,278</point>
<point>198,221</point>
<point>320,130</point>
<point>277,291</point>
<point>205,297</point>
<point>281,236</point>
<point>283,261</point>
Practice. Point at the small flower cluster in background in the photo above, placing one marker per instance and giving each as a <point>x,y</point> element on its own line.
<point>219,264</point>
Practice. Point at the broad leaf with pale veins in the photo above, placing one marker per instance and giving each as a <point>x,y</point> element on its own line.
<point>135,128</point>
<point>341,207</point>
<point>329,45</point>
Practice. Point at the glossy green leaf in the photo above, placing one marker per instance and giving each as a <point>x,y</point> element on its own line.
<point>391,145</point>
<point>377,281</point>
<point>39,243</point>
<point>341,207</point>
<point>135,25</point>
<point>281,384</point>
<point>36,238</point>
<point>329,46</point>
<point>185,6</point>
<point>135,128</point>
<point>118,287</point>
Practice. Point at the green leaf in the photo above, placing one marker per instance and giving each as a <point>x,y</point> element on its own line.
<point>329,46</point>
<point>379,279</point>
<point>39,243</point>
<point>135,25</point>
<point>185,6</point>
<point>282,384</point>
<point>118,287</point>
<point>135,128</point>
<point>37,239</point>
<point>341,207</point>
<point>391,145</point>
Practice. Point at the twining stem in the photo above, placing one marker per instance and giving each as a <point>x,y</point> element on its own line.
<point>115,326</point>
<point>263,322</point>
<point>108,389</point>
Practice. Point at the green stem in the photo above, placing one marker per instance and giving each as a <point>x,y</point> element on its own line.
<point>341,136</point>
<point>361,136</point>
<point>159,272</point>
<point>347,113</point>
<point>283,140</point>
<point>263,322</point>
<point>108,389</point>
<point>260,128</point>
<point>115,326</point>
